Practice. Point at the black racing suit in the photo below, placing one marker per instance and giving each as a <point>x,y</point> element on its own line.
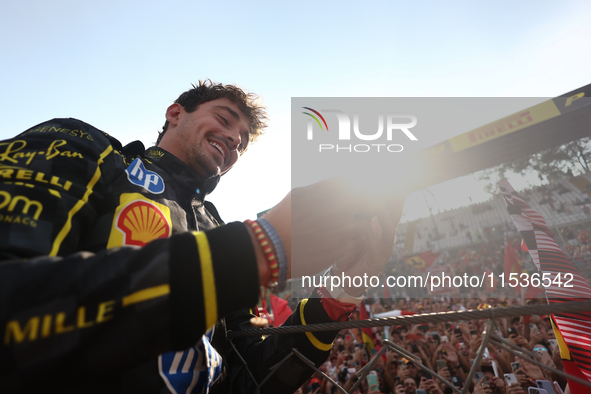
<point>103,272</point>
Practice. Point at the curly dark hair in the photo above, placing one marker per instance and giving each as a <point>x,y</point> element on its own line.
<point>204,91</point>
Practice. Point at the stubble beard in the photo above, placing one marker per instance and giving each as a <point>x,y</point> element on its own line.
<point>203,163</point>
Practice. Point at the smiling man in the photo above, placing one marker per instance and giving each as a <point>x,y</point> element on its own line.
<point>210,136</point>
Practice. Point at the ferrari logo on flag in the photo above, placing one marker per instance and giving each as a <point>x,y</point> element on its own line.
<point>423,260</point>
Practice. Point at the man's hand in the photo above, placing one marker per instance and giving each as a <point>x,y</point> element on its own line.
<point>433,387</point>
<point>359,355</point>
<point>532,371</point>
<point>544,334</point>
<point>424,356</point>
<point>444,373</point>
<point>323,217</point>
<point>546,359</point>
<point>513,339</point>
<point>342,357</point>
<point>499,384</point>
<point>535,339</point>
<point>465,331</point>
<point>486,362</point>
<point>429,385</point>
<point>452,358</point>
<point>423,385</point>
<point>519,341</point>
<point>479,388</point>
<point>521,377</point>
<point>403,372</point>
<point>515,389</point>
<point>367,254</point>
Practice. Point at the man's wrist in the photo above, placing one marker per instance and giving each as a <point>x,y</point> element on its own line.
<point>337,310</point>
<point>280,218</point>
<point>260,257</point>
<point>346,294</point>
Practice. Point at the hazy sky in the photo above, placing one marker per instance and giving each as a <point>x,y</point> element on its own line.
<point>119,64</point>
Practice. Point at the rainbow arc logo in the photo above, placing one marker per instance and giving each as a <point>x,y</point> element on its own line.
<point>347,130</point>
<point>315,118</point>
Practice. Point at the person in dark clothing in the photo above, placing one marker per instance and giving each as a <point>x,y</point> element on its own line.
<point>117,276</point>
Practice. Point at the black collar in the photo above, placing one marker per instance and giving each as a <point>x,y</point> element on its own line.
<point>181,173</point>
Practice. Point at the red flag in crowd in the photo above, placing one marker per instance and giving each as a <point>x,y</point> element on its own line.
<point>534,292</point>
<point>512,265</point>
<point>393,313</point>
<point>524,246</point>
<point>281,310</point>
<point>573,330</point>
<point>368,332</point>
<point>423,261</point>
<point>511,262</point>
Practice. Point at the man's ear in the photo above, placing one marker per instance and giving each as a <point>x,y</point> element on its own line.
<point>173,113</point>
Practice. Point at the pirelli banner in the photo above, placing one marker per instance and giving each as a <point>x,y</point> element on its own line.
<point>548,124</point>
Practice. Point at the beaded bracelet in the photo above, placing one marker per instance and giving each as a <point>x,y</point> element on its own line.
<point>270,257</point>
<point>280,251</point>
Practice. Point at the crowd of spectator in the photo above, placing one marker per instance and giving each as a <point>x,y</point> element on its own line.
<point>489,257</point>
<point>451,349</point>
<point>448,349</point>
<point>577,243</point>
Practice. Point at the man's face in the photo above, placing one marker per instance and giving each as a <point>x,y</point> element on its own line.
<point>393,367</point>
<point>464,350</point>
<point>433,344</point>
<point>518,325</point>
<point>489,379</point>
<point>551,334</point>
<point>410,387</point>
<point>210,139</point>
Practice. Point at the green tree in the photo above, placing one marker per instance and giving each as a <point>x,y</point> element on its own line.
<point>570,159</point>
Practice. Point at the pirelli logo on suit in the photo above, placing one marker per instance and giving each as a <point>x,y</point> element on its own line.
<point>8,173</point>
<point>20,208</point>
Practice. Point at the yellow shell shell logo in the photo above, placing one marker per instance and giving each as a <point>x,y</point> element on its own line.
<point>142,222</point>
